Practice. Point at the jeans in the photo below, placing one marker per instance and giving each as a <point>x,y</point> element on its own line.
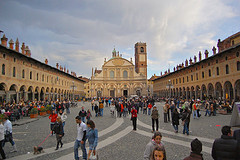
<point>195,114</point>
<point>165,117</point>
<point>76,146</point>
<point>101,111</point>
<point>185,128</point>
<point>149,111</point>
<point>63,124</point>
<point>207,112</point>
<point>83,119</point>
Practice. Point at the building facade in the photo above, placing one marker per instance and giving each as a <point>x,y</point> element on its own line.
<point>120,77</point>
<point>216,76</point>
<point>25,78</point>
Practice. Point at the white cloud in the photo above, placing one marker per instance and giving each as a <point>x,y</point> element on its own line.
<point>79,34</point>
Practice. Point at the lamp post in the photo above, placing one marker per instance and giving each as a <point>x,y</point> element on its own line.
<point>73,86</point>
<point>169,86</point>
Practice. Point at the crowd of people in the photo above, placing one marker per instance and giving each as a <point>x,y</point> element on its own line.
<point>174,110</point>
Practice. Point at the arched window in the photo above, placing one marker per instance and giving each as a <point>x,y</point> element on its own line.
<point>43,77</point>
<point>217,71</point>
<point>238,66</point>
<point>23,73</point>
<point>111,74</point>
<point>209,73</point>
<point>125,74</point>
<point>3,69</point>
<point>142,49</point>
<point>37,76</point>
<point>227,69</point>
<point>30,75</point>
<point>14,72</point>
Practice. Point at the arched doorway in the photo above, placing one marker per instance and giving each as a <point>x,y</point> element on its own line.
<point>36,94</point>
<point>218,90</point>
<point>197,92</point>
<point>23,93</point>
<point>42,94</point>
<point>13,93</point>
<point>211,91</point>
<point>204,92</point>
<point>228,90</point>
<point>192,93</point>
<point>30,93</point>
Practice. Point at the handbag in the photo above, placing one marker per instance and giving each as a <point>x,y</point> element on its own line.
<point>7,136</point>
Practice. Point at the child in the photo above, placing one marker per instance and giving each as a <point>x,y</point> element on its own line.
<point>158,154</point>
<point>89,115</point>
<point>92,135</point>
<point>156,141</point>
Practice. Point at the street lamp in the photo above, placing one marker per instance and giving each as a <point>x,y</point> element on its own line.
<point>169,86</point>
<point>73,89</point>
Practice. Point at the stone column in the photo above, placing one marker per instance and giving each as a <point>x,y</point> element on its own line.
<point>191,94</point>
<point>33,96</point>
<point>7,96</point>
<point>17,97</point>
<point>25,96</point>
<point>201,95</point>
<point>224,94</point>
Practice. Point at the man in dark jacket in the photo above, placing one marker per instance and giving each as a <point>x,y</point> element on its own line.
<point>82,114</point>
<point>226,146</point>
<point>196,147</point>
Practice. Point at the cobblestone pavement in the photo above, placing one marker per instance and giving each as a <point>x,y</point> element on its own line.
<point>117,140</point>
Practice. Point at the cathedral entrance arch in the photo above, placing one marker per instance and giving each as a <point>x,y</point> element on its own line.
<point>138,92</point>
<point>125,93</point>
<point>112,93</point>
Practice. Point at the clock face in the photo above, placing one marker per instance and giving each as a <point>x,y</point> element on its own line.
<point>141,57</point>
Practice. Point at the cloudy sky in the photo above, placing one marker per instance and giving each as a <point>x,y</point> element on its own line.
<point>79,34</point>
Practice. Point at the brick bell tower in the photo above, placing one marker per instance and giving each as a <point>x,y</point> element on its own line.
<point>141,58</point>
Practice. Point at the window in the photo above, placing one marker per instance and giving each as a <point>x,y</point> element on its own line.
<point>217,71</point>
<point>4,55</point>
<point>142,49</point>
<point>209,73</point>
<point>226,58</point>
<point>202,74</point>
<point>43,78</point>
<point>111,74</point>
<point>125,74</point>
<point>183,80</point>
<point>217,61</point>
<point>227,69</point>
<point>237,54</point>
<point>176,81</point>
<point>197,76</point>
<point>30,75</point>
<point>47,80</point>
<point>187,78</point>
<point>208,63</point>
<point>14,59</point>
<point>232,42</point>
<point>37,76</point>
<point>179,80</point>
<point>14,72</point>
<point>238,66</point>
<point>3,69</point>
<point>23,73</point>
<point>191,77</point>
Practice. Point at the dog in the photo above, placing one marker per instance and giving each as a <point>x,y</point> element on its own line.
<point>38,150</point>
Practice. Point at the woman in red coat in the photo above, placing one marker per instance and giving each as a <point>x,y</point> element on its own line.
<point>134,118</point>
<point>53,116</point>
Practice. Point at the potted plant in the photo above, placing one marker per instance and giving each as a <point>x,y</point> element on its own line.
<point>48,109</point>
<point>34,113</point>
<point>43,111</point>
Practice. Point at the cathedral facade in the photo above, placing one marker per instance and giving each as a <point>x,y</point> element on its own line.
<point>120,77</point>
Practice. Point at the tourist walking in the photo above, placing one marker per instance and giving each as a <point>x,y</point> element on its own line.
<point>185,120</point>
<point>134,118</point>
<point>96,110</point>
<point>2,141</point>
<point>154,142</point>
<point>101,107</point>
<point>194,110</point>
<point>149,108</point>
<point>175,119</point>
<point>207,107</point>
<point>81,138</point>
<point>225,147</point>
<point>196,148</point>
<point>58,128</point>
<point>89,115</point>
<point>53,116</point>
<point>92,136</point>
<point>8,133</point>
<point>155,118</point>
<point>165,111</point>
<point>82,114</point>
<point>63,117</point>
